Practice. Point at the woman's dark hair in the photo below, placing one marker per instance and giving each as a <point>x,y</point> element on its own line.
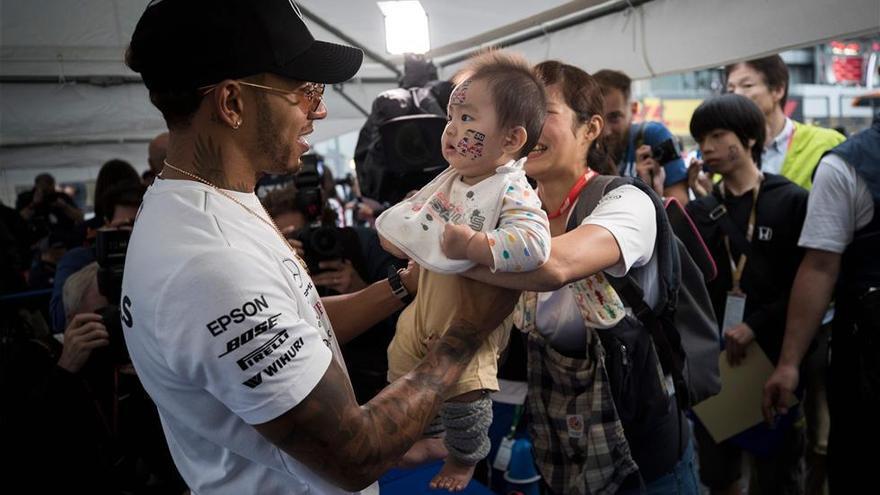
<point>584,96</point>
<point>734,113</point>
<point>112,173</point>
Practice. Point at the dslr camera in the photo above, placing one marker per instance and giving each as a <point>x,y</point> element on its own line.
<point>665,152</point>
<point>110,248</point>
<point>322,241</point>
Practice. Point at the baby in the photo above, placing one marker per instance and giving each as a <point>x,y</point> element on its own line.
<point>481,210</point>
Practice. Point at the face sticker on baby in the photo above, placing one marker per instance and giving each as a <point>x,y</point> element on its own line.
<point>471,145</point>
<point>459,96</point>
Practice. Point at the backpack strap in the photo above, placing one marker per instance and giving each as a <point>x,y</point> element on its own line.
<point>666,343</point>
<point>718,214</point>
<point>590,196</point>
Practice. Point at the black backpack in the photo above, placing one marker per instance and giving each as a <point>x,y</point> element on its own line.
<point>398,148</point>
<point>682,325</point>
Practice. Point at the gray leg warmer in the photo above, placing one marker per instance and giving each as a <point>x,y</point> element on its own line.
<point>467,429</point>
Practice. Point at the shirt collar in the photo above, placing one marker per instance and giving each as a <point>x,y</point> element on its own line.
<point>780,142</point>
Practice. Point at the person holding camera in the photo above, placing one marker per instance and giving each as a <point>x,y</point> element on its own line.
<point>46,209</point>
<point>119,206</point>
<point>646,150</point>
<point>220,315</point>
<point>364,355</point>
<point>750,222</point>
<point>64,403</point>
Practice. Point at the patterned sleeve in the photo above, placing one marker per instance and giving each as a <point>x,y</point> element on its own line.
<point>521,242</point>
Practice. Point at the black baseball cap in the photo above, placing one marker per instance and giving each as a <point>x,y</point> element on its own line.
<point>186,44</point>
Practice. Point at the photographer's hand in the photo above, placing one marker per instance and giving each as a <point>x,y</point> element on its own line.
<point>699,182</point>
<point>294,243</point>
<point>84,334</point>
<point>340,276</point>
<point>649,170</point>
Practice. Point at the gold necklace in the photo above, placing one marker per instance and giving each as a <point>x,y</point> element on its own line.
<point>270,222</point>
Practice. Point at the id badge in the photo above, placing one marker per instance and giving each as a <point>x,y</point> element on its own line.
<point>502,458</point>
<point>734,310</point>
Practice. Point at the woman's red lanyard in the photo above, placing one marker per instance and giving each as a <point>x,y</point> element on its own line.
<point>573,194</point>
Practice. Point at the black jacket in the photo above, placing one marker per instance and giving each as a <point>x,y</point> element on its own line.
<point>769,273</point>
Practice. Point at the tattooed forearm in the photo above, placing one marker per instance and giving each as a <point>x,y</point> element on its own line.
<point>352,446</point>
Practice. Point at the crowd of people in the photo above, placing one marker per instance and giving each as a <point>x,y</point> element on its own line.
<point>194,334</point>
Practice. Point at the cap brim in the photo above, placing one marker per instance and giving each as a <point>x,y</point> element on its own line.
<point>324,62</point>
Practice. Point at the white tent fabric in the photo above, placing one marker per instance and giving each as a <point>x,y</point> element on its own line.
<point>47,122</point>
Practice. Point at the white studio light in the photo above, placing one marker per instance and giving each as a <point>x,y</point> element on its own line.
<point>406,27</point>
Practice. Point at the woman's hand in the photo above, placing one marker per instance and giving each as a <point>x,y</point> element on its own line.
<point>409,277</point>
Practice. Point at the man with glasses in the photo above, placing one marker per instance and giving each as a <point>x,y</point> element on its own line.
<point>221,318</point>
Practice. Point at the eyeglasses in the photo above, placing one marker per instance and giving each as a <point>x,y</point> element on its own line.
<point>313,92</point>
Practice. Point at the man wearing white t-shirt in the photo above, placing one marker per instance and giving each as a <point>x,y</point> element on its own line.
<point>222,321</point>
<point>841,235</point>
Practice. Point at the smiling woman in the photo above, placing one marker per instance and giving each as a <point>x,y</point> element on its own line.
<point>618,443</point>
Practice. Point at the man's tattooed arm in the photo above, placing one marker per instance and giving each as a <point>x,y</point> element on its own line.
<point>353,445</point>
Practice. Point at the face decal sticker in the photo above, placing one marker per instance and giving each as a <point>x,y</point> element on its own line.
<point>471,145</point>
<point>459,96</point>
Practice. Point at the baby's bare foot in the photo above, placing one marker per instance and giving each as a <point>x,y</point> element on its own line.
<point>454,476</point>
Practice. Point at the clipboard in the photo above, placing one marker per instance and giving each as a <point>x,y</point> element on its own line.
<point>738,406</point>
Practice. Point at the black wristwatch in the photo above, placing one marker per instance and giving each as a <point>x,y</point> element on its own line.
<point>397,286</point>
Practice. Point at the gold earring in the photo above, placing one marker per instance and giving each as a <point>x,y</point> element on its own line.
<point>237,124</point>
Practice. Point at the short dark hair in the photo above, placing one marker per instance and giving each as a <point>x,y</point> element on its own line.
<point>44,178</point>
<point>125,193</point>
<point>583,95</point>
<point>734,113</point>
<point>283,200</point>
<point>178,106</point>
<point>772,68</point>
<point>517,93</point>
<point>113,172</point>
<point>614,79</point>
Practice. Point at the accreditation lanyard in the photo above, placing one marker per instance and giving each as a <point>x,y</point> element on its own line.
<point>573,193</point>
<point>737,266</point>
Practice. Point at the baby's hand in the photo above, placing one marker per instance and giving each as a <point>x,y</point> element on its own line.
<point>454,241</point>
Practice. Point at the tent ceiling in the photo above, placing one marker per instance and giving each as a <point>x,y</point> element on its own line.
<point>52,40</point>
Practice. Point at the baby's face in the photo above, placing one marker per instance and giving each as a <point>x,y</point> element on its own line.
<point>472,141</point>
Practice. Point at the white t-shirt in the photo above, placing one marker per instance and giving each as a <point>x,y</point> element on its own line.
<point>225,330</point>
<point>629,215</point>
<point>840,203</point>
